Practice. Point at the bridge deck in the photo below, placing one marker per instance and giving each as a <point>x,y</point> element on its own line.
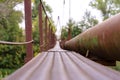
<point>58,64</point>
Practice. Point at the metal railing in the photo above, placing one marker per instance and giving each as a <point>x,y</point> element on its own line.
<point>47,35</point>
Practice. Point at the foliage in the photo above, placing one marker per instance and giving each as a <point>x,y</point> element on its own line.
<point>117,67</point>
<point>70,24</point>
<point>8,53</point>
<point>6,7</point>
<point>88,21</point>
<point>35,8</point>
<point>5,72</point>
<point>64,33</point>
<point>107,7</point>
<point>75,30</point>
<point>36,23</point>
<point>10,31</point>
<point>36,36</point>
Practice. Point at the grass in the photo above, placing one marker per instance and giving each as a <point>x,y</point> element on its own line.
<point>117,67</point>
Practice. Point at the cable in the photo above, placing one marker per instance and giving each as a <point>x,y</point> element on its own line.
<point>69,9</point>
<point>15,43</point>
<point>59,24</point>
<point>45,11</point>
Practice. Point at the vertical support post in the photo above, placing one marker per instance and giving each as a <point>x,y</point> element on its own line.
<point>46,25</point>
<point>69,33</point>
<point>40,27</point>
<point>49,36</point>
<point>52,39</point>
<point>28,29</point>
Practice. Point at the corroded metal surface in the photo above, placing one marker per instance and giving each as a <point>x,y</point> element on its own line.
<point>40,27</point>
<point>47,40</point>
<point>58,64</point>
<point>28,29</point>
<point>102,40</point>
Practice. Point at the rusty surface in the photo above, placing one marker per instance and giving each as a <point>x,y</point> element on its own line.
<point>58,64</point>
<point>69,33</point>
<point>46,39</point>
<point>51,45</point>
<point>46,33</point>
<point>49,36</point>
<point>40,27</point>
<point>102,40</point>
<point>28,29</point>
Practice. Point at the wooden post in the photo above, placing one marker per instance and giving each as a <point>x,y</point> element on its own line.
<point>28,29</point>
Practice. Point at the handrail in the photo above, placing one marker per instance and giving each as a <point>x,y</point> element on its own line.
<point>16,43</point>
<point>45,11</point>
<point>48,31</point>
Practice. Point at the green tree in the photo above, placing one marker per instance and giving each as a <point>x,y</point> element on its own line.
<point>74,28</point>
<point>6,6</point>
<point>88,21</point>
<point>64,33</point>
<point>107,7</point>
<point>70,25</point>
<point>36,23</point>
<point>10,31</point>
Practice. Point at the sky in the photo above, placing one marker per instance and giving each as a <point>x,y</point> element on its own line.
<point>78,7</point>
<point>62,10</point>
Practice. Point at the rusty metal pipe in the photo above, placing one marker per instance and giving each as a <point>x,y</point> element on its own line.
<point>102,40</point>
<point>58,64</point>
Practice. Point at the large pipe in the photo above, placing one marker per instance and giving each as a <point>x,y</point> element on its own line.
<point>102,40</point>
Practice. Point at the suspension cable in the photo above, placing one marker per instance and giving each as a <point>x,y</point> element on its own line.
<point>45,11</point>
<point>59,24</point>
<point>69,9</point>
<point>15,43</point>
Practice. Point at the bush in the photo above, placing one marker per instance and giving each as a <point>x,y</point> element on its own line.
<point>5,72</point>
<point>11,56</point>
